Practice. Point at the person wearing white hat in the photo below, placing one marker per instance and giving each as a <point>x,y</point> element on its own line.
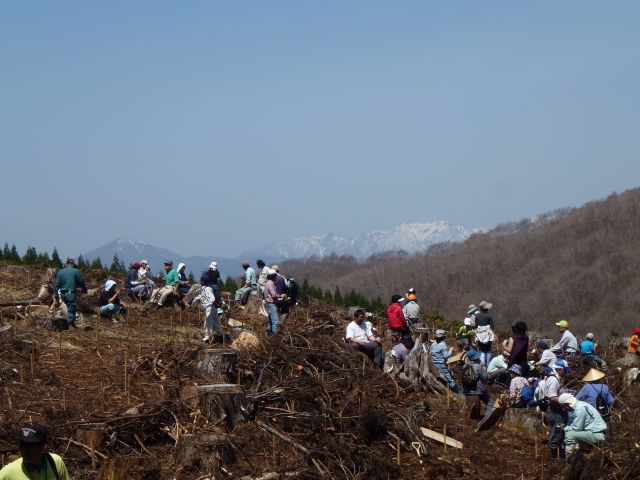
<point>110,303</point>
<point>211,278</point>
<point>596,393</point>
<point>587,426</point>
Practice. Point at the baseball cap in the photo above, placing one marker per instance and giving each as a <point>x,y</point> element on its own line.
<point>32,433</point>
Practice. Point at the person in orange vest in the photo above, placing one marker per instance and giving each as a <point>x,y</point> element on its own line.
<point>634,341</point>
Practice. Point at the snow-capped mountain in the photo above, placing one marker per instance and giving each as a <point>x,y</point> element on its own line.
<point>410,237</point>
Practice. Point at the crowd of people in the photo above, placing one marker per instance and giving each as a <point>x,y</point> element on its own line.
<point>276,294</point>
<point>533,378</point>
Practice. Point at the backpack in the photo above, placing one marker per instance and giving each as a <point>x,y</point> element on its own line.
<point>469,375</point>
<point>527,393</point>
<point>601,406</point>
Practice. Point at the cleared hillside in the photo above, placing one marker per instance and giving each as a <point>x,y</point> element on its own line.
<point>580,264</point>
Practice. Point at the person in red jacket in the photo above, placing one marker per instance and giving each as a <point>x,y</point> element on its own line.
<point>395,317</point>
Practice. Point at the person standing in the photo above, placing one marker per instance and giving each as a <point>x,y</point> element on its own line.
<point>271,299</point>
<point>556,416</point>
<point>211,278</point>
<point>67,282</point>
<point>263,271</point>
<point>36,462</point>
<point>208,301</point>
<point>518,346</point>
<point>484,333</point>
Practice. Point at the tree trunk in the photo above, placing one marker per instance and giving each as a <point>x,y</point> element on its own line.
<point>222,403</point>
<point>417,369</point>
<point>220,363</point>
<point>210,451</point>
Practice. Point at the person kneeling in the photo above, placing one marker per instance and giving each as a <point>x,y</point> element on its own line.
<point>360,337</point>
<point>587,427</point>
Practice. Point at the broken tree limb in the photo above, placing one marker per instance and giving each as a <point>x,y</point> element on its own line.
<point>439,437</point>
<point>282,436</point>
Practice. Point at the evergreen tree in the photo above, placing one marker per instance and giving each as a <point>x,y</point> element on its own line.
<point>6,253</point>
<point>230,284</point>
<point>327,296</point>
<point>305,290</point>
<point>117,266</point>
<point>82,263</point>
<point>30,256</point>
<point>97,264</point>
<point>55,259</point>
<point>190,277</point>
<point>337,297</point>
<point>44,260</point>
<point>14,256</point>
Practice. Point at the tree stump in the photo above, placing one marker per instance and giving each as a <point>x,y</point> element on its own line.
<point>209,451</point>
<point>629,360</point>
<point>6,333</point>
<point>222,403</point>
<point>91,434</point>
<point>220,363</point>
<point>418,369</point>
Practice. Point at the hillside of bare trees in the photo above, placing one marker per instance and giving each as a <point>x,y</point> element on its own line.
<point>578,264</point>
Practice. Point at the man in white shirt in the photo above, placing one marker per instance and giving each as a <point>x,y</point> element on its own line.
<point>360,337</point>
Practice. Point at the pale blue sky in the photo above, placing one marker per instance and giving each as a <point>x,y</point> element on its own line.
<point>210,128</point>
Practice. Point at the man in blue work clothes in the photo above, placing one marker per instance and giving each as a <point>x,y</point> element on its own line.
<point>67,282</point>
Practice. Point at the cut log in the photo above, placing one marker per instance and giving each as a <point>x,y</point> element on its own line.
<point>222,403</point>
<point>209,451</point>
<point>495,415</point>
<point>455,358</point>
<point>6,333</point>
<point>439,437</point>
<point>220,363</point>
<point>524,421</point>
<point>91,434</point>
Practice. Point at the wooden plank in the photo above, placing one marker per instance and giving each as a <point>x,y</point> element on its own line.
<point>439,437</point>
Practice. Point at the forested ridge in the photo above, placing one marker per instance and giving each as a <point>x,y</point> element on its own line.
<point>579,264</point>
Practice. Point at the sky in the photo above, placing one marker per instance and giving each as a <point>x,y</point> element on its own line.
<point>210,127</point>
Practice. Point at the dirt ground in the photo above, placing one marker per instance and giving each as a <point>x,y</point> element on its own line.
<point>311,409</point>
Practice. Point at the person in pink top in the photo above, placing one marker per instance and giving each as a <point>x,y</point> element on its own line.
<point>271,299</point>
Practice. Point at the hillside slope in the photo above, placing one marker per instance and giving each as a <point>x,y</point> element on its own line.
<point>580,264</point>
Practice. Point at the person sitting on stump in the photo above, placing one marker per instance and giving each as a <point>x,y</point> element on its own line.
<point>133,282</point>
<point>588,350</point>
<point>110,302</point>
<point>567,346</point>
<point>171,281</point>
<point>250,284</point>
<point>587,426</point>
<point>36,462</point>
<point>496,371</point>
<point>439,355</point>
<point>516,386</point>
<point>360,337</point>
<point>395,317</point>
<point>547,357</point>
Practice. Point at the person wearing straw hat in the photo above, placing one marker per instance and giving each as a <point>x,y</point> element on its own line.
<point>594,388</point>
<point>587,426</point>
<point>567,346</point>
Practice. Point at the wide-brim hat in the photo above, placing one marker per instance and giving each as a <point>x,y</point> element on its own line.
<point>441,334</point>
<point>593,375</point>
<point>471,308</point>
<point>473,355</point>
<point>515,368</point>
<point>485,305</point>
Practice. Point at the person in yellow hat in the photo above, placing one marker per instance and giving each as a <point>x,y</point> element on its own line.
<point>595,392</point>
<point>568,345</point>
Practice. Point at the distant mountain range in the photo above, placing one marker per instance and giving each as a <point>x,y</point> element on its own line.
<point>410,237</point>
